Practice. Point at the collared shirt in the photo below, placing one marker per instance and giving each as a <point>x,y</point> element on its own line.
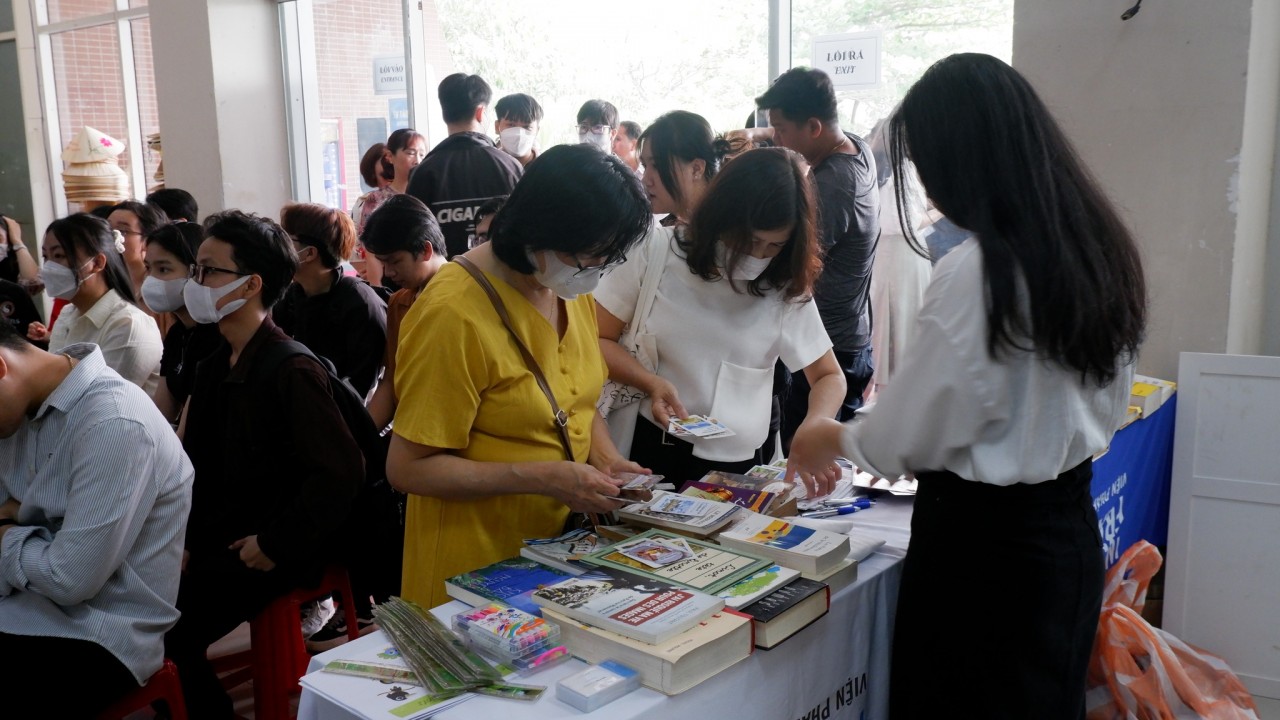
<point>105,490</point>
<point>128,338</point>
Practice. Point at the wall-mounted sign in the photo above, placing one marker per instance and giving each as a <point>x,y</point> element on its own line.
<point>388,75</point>
<point>852,60</point>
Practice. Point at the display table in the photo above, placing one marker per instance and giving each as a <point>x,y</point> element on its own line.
<point>838,666</point>
<point>1131,483</point>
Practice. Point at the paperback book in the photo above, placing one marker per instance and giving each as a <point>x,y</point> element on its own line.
<point>695,517</point>
<point>697,564</point>
<point>565,551</point>
<point>745,592</point>
<point>753,500</point>
<point>510,582</point>
<point>796,546</point>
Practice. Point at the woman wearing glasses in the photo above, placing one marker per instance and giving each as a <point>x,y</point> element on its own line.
<point>84,264</point>
<point>733,297</point>
<point>476,443</point>
<point>171,251</point>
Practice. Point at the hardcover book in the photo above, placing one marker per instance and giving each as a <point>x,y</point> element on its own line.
<point>510,582</point>
<point>705,566</point>
<point>641,608</point>
<point>787,611</point>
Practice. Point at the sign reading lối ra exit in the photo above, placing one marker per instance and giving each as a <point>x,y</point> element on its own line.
<point>852,60</point>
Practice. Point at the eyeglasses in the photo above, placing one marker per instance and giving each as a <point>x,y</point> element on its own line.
<point>602,269</point>
<point>200,272</point>
<point>597,129</point>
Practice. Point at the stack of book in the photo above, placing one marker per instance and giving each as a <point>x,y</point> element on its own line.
<point>695,517</point>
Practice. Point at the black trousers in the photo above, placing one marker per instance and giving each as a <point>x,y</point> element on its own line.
<point>999,602</point>
<point>58,677</point>
<point>857,367</point>
<point>672,457</point>
<point>218,592</point>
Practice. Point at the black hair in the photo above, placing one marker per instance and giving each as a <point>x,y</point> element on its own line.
<point>519,108</point>
<point>373,162</point>
<point>181,239</point>
<point>802,93</point>
<point>258,246</point>
<point>765,189</point>
<point>150,217</point>
<point>83,236</point>
<point>599,112</point>
<point>1063,274</point>
<point>460,94</point>
<point>490,207</point>
<point>177,204</point>
<point>683,136</point>
<point>399,140</point>
<point>102,211</point>
<point>574,199</point>
<point>631,129</point>
<point>403,222</point>
<point>11,340</point>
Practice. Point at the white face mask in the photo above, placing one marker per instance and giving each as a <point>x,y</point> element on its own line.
<point>516,141</point>
<point>202,302</point>
<point>566,281</point>
<point>600,140</point>
<point>749,268</point>
<point>59,280</point>
<point>163,295</point>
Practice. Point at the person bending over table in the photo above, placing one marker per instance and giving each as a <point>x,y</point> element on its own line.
<point>475,441</point>
<point>1019,374</point>
<point>734,296</point>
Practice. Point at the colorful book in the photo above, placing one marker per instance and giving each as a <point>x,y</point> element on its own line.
<point>745,592</point>
<point>565,551</point>
<point>785,612</point>
<point>805,549</point>
<point>673,666</point>
<point>640,608</point>
<point>753,500</point>
<point>510,582</point>
<point>702,566</point>
<point>375,698</point>
<point>657,513</point>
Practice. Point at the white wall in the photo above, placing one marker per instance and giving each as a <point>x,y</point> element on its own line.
<point>1155,106</point>
<point>220,86</point>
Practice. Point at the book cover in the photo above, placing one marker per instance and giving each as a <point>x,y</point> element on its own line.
<point>371,698</point>
<point>775,603</point>
<point>708,568</point>
<point>787,611</point>
<point>565,551</point>
<point>651,514</point>
<point>641,608</point>
<point>746,482</point>
<point>754,500</point>
<point>510,581</point>
<point>793,545</point>
<point>745,592</point>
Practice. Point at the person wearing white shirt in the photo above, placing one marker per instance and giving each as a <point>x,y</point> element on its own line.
<point>733,297</point>
<point>1020,373</point>
<point>84,264</point>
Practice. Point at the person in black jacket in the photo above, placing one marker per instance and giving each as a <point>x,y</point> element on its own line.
<point>336,316</point>
<point>276,467</point>
<point>466,168</point>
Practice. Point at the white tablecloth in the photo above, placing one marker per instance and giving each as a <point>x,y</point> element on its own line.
<point>837,668</point>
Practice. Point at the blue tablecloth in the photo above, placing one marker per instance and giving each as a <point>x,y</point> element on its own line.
<point>1131,483</point>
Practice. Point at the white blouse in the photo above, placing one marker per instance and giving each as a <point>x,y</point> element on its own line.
<point>1017,418</point>
<point>128,337</point>
<point>717,346</point>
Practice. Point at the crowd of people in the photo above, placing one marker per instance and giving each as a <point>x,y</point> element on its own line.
<point>221,409</point>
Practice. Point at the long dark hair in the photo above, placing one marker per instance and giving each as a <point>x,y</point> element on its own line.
<point>993,159</point>
<point>82,236</point>
<point>764,189</point>
<point>682,136</point>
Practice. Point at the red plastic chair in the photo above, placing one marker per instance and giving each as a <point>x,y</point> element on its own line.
<point>278,655</point>
<point>163,685</point>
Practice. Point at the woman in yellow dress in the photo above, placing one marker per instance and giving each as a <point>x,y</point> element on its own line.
<point>475,442</point>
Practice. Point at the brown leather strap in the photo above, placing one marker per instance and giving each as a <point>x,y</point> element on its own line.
<point>559,417</point>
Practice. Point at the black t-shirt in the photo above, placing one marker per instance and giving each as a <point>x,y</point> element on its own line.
<point>848,229</point>
<point>347,326</point>
<point>17,307</point>
<point>462,173</point>
<point>184,348</point>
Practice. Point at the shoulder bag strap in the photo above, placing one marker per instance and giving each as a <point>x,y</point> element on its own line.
<point>560,417</point>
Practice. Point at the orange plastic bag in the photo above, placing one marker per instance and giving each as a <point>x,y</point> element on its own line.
<point>1144,673</point>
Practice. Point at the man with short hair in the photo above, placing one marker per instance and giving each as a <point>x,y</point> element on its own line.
<point>624,144</point>
<point>519,117</point>
<point>277,469</point>
<point>405,236</point>
<point>597,124</point>
<point>802,114</point>
<point>176,203</point>
<point>466,168</point>
<point>94,496</point>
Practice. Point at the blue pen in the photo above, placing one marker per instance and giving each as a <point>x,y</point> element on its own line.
<point>862,502</point>
<point>829,512</point>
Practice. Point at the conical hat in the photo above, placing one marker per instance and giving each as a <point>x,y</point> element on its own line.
<point>92,145</point>
<point>106,168</point>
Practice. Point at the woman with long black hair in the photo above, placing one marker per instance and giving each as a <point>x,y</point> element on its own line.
<point>1019,374</point>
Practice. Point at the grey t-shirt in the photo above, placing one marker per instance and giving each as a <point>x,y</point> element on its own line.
<point>848,230</point>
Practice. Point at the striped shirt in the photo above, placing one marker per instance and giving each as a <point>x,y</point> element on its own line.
<point>105,490</point>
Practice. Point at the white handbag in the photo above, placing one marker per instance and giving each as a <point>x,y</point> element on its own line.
<point>619,403</point>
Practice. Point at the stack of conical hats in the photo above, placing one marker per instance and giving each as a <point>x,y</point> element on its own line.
<point>153,144</point>
<point>92,172</point>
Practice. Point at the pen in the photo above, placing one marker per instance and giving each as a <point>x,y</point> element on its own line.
<point>828,512</point>
<point>862,502</point>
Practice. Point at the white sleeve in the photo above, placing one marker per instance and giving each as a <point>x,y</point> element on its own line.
<point>132,347</point>
<point>804,338</point>
<point>619,290</point>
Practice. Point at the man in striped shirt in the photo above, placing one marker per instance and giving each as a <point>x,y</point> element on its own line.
<point>94,495</point>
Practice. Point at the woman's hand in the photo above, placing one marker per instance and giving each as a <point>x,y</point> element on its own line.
<point>37,332</point>
<point>582,487</point>
<point>665,404</point>
<point>813,455</point>
<point>251,554</point>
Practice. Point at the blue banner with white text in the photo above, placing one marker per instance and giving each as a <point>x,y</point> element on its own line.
<point>1131,483</point>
